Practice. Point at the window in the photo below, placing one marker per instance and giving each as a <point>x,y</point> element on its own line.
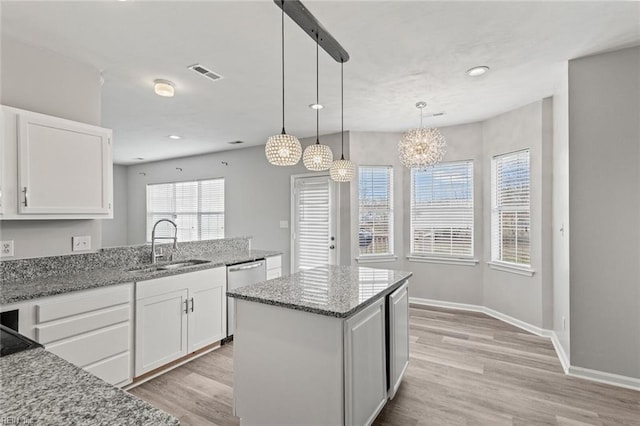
<point>442,210</point>
<point>196,207</point>
<point>510,208</point>
<point>375,234</point>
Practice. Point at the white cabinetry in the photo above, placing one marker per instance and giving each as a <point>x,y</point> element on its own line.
<point>365,365</point>
<point>177,315</point>
<point>274,267</point>
<point>91,329</point>
<point>398,337</point>
<point>54,168</point>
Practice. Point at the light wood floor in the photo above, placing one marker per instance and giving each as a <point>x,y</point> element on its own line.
<point>465,369</point>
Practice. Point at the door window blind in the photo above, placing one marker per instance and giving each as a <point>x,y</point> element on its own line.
<point>375,234</point>
<point>511,216</point>
<point>197,207</point>
<point>442,210</point>
<point>313,226</point>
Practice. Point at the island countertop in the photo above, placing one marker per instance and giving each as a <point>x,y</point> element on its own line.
<point>337,291</point>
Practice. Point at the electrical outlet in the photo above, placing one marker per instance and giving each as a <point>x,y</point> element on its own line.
<point>80,243</point>
<point>7,248</point>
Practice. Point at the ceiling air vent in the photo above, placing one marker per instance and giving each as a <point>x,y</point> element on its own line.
<point>235,142</point>
<point>205,72</point>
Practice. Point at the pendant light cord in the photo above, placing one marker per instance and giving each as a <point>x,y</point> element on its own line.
<point>283,132</point>
<point>317,89</point>
<point>342,106</point>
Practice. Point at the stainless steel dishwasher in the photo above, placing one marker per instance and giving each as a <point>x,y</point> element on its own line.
<point>240,275</point>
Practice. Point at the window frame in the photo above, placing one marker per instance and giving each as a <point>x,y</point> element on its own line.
<point>149,214</point>
<point>390,254</point>
<point>462,259</point>
<point>497,259</point>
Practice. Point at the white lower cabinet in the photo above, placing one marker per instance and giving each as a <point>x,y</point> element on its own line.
<point>398,337</point>
<point>274,267</point>
<point>365,365</point>
<point>91,329</point>
<point>177,315</point>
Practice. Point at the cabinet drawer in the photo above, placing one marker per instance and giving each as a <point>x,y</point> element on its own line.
<point>114,370</point>
<point>274,262</point>
<point>274,273</point>
<point>82,324</point>
<point>89,348</point>
<point>91,300</point>
<point>196,280</point>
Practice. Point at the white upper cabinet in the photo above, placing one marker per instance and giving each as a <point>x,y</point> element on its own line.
<point>54,168</point>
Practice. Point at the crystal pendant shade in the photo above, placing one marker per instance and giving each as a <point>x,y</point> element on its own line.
<point>317,157</point>
<point>283,150</point>
<point>342,171</point>
<point>421,148</point>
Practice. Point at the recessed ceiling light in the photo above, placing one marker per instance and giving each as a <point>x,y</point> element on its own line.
<point>164,88</point>
<point>477,71</point>
<point>175,137</point>
<point>316,106</point>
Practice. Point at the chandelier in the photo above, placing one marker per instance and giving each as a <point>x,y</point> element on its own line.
<point>317,157</point>
<point>283,149</point>
<point>421,148</point>
<point>342,170</point>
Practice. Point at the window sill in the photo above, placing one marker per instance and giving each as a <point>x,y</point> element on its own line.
<point>444,260</point>
<point>514,269</point>
<point>376,259</point>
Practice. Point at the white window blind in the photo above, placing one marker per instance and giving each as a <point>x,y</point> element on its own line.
<point>375,235</point>
<point>313,226</point>
<point>197,207</point>
<point>510,216</point>
<point>442,210</point>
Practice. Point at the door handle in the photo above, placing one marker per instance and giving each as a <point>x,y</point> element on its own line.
<point>332,246</point>
<point>193,304</point>
<point>26,196</point>
<point>186,306</point>
<point>244,268</point>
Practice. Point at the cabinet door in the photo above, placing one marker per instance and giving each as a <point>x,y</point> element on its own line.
<point>365,365</point>
<point>161,330</point>
<point>207,314</point>
<point>398,336</point>
<point>64,167</point>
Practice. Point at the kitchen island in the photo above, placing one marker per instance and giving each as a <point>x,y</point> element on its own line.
<point>325,346</point>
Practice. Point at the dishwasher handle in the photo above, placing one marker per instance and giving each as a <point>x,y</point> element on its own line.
<point>246,267</point>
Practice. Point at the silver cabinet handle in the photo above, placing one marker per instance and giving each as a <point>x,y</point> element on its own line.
<point>193,304</point>
<point>26,196</point>
<point>244,268</point>
<point>186,306</point>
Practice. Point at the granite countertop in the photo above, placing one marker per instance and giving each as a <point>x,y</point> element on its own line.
<point>337,291</point>
<point>41,388</point>
<point>18,291</point>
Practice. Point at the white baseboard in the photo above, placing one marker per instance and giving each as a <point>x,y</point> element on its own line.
<point>562,355</point>
<point>606,378</point>
<point>583,373</point>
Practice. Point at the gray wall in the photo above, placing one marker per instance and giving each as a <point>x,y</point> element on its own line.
<point>604,181</point>
<point>525,298</point>
<point>258,194</point>
<point>70,90</point>
<point>115,231</point>
<point>560,226</point>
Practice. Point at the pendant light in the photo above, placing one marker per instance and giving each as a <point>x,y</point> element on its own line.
<point>421,148</point>
<point>283,149</point>
<point>342,170</point>
<point>317,157</point>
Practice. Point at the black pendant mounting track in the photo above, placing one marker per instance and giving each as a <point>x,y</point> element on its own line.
<point>301,16</point>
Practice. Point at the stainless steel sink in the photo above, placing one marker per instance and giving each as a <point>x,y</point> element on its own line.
<point>168,266</point>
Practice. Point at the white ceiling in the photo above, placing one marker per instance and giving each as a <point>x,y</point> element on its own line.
<point>401,53</point>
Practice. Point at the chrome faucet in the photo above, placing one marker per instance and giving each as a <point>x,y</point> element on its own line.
<point>154,255</point>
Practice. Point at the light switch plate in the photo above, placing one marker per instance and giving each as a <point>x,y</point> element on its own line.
<point>6,248</point>
<point>284,224</point>
<point>81,242</point>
